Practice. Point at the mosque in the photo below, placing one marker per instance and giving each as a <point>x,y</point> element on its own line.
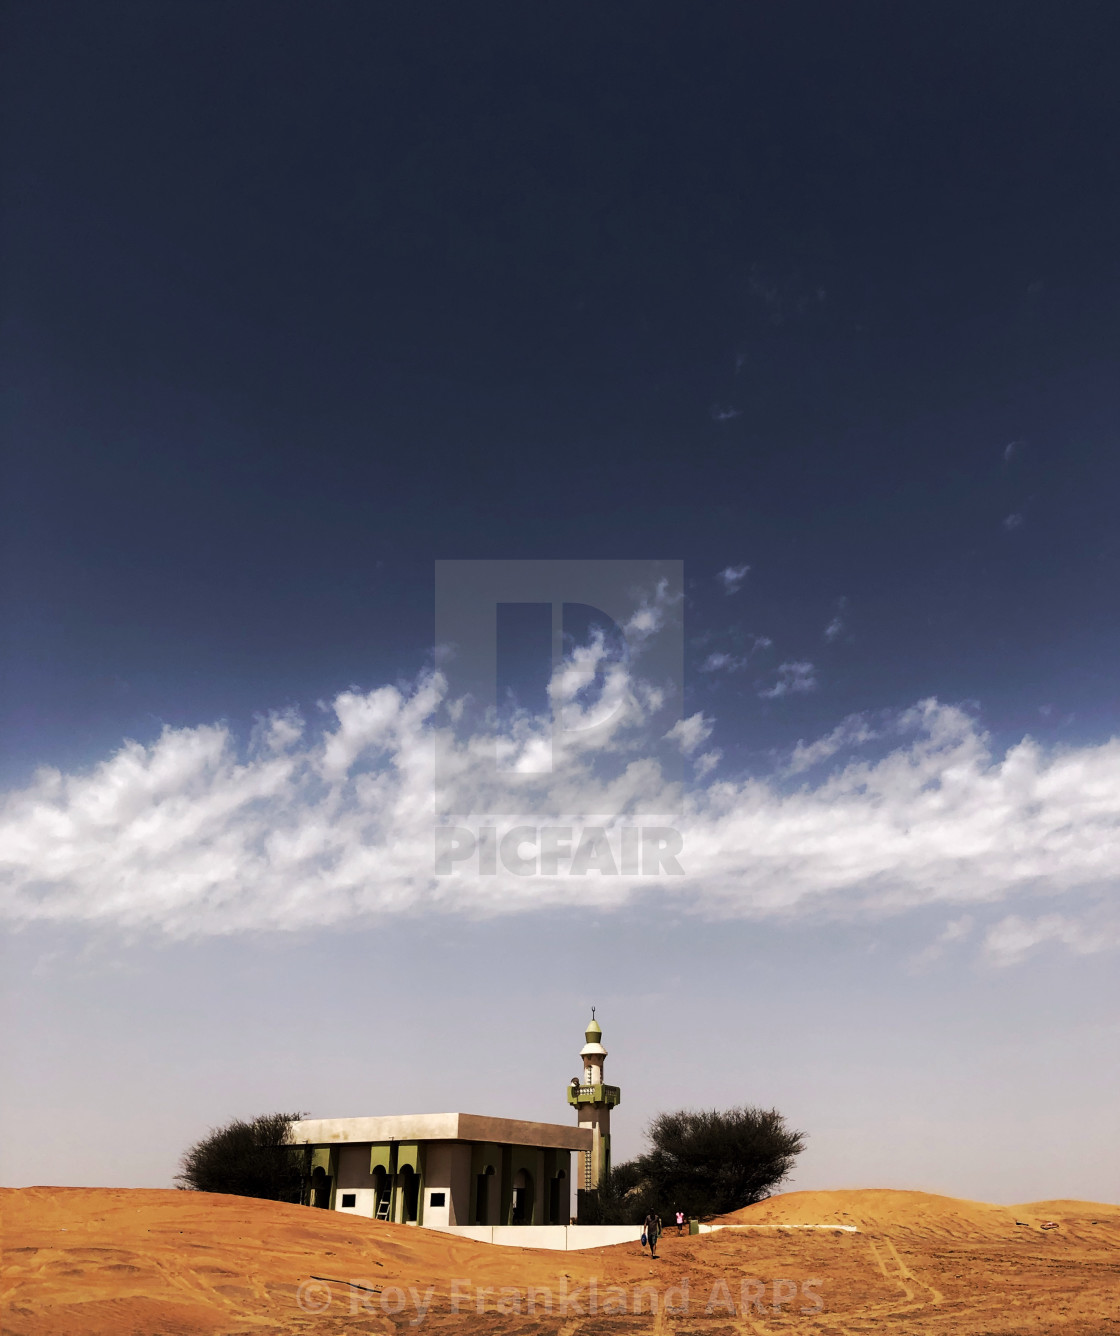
<point>456,1169</point>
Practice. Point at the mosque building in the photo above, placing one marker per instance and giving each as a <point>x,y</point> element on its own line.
<point>455,1169</point>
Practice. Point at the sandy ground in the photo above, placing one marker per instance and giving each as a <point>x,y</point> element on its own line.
<point>155,1263</point>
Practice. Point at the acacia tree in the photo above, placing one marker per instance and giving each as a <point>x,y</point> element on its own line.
<point>622,1198</point>
<point>249,1159</point>
<point>706,1163</point>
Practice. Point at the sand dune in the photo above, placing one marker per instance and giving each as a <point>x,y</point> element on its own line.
<point>919,1213</point>
<point>80,1262</point>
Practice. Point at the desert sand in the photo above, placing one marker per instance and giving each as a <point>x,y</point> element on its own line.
<point>163,1263</point>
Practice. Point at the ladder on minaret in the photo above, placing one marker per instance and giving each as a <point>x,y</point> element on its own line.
<point>383,1206</point>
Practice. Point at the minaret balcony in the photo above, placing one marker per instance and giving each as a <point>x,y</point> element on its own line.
<point>595,1094</point>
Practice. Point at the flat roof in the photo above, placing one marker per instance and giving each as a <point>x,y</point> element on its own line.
<point>441,1127</point>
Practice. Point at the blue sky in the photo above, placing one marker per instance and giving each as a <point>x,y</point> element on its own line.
<point>821,303</point>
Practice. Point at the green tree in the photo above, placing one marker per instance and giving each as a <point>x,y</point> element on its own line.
<point>615,1201</point>
<point>705,1163</point>
<point>249,1159</point>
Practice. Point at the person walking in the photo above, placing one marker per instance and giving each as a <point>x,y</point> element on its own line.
<point>680,1221</point>
<point>652,1229</point>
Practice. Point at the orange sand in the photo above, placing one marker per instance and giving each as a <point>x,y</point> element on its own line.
<point>162,1263</point>
<point>917,1213</point>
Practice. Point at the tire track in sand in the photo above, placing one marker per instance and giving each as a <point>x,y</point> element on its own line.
<point>894,1269</point>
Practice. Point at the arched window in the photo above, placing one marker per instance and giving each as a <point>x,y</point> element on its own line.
<point>521,1206</point>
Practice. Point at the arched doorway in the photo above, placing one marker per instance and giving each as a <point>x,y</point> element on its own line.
<point>320,1187</point>
<point>521,1207</point>
<point>382,1195</point>
<point>410,1194</point>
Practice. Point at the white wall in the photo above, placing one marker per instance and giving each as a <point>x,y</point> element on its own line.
<point>363,1201</point>
<point>557,1238</point>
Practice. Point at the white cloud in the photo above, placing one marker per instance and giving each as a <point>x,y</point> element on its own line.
<point>1013,521</point>
<point>649,616</point>
<point>1014,938</point>
<point>719,662</point>
<point>194,834</point>
<point>721,413</point>
<point>1012,450</point>
<point>594,685</point>
<point>852,732</point>
<point>836,626</point>
<point>278,730</point>
<point>792,679</point>
<point>731,577</point>
<point>956,930</point>
<point>689,733</point>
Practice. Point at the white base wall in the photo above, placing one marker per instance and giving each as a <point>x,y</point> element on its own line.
<point>363,1201</point>
<point>434,1216</point>
<point>556,1238</point>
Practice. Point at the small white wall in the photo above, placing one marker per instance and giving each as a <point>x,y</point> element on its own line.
<point>556,1238</point>
<point>601,1236</point>
<point>531,1236</point>
<point>480,1233</point>
<point>363,1201</point>
<point>435,1216</point>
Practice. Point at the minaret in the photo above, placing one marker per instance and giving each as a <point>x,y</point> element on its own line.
<point>593,1103</point>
